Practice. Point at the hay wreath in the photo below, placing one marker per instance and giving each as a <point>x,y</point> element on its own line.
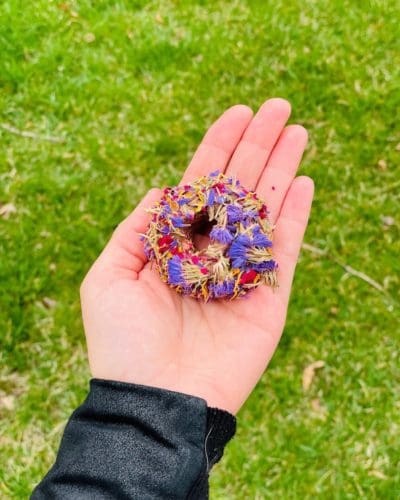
<point>239,256</point>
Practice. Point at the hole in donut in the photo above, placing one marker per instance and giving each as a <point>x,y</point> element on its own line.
<point>200,232</point>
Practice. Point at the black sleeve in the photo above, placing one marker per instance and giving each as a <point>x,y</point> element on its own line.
<point>129,441</point>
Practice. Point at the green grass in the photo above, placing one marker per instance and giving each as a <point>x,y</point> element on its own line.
<point>132,102</point>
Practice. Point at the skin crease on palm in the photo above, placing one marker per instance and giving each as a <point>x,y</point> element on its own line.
<point>139,330</point>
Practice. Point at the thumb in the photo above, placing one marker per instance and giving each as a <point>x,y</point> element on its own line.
<point>124,251</point>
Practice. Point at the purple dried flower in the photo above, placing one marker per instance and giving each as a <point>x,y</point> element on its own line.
<point>214,174</point>
<point>224,289</point>
<point>243,239</point>
<point>166,209</point>
<point>221,234</point>
<point>177,221</point>
<point>250,214</point>
<point>210,198</point>
<point>175,275</point>
<point>235,213</point>
<point>183,201</point>
<point>148,250</point>
<point>239,247</point>
<point>237,251</point>
<point>239,263</point>
<point>261,240</point>
<point>268,265</point>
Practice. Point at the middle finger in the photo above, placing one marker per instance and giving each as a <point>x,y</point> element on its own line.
<point>252,152</point>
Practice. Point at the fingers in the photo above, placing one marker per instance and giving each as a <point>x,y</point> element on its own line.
<point>254,149</point>
<point>219,143</point>
<point>281,168</point>
<point>138,219</point>
<point>290,228</point>
<point>125,249</point>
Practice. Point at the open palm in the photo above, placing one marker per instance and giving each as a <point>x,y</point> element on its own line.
<point>139,330</point>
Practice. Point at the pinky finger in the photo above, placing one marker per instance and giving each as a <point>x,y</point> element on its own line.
<point>289,232</point>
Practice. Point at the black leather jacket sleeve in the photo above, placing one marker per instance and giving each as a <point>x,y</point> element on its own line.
<point>129,441</point>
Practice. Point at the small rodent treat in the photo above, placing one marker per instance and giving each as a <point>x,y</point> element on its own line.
<point>239,256</point>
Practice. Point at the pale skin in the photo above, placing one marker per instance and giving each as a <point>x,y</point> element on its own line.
<point>140,331</point>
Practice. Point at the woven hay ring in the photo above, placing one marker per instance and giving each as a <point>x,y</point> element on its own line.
<point>239,257</point>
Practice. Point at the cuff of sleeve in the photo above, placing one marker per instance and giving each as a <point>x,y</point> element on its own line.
<point>220,424</point>
<point>221,427</point>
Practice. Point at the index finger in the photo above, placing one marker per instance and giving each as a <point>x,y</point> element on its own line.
<point>219,143</point>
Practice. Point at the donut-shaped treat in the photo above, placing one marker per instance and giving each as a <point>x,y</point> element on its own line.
<point>238,257</point>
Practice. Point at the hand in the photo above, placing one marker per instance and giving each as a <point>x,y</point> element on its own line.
<point>139,330</point>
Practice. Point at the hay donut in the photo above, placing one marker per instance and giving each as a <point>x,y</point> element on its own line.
<point>238,258</point>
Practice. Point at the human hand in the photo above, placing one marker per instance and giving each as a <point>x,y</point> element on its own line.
<point>138,330</point>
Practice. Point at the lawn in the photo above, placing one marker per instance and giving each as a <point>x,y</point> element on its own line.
<point>101,100</point>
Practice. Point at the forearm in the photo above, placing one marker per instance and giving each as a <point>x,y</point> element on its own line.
<point>131,441</point>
